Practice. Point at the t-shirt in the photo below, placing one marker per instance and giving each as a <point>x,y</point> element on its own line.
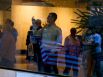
<point>97,39</point>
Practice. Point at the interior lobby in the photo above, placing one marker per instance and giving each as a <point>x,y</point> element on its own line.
<point>22,11</point>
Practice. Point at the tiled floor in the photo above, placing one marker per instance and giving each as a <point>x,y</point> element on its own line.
<point>22,64</point>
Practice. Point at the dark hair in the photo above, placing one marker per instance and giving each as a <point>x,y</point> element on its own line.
<point>54,15</point>
<point>12,23</point>
<point>73,30</point>
<point>31,27</point>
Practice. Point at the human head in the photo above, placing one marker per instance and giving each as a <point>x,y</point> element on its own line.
<point>12,23</point>
<point>51,17</point>
<point>9,23</point>
<point>1,28</point>
<point>96,30</point>
<point>38,22</point>
<point>73,31</point>
<point>88,32</point>
<point>33,20</point>
<point>31,28</point>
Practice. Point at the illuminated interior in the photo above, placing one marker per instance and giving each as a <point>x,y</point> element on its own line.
<point>22,11</point>
<point>22,14</point>
<point>1,17</point>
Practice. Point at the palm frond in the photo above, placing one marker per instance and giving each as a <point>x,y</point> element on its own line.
<point>93,18</point>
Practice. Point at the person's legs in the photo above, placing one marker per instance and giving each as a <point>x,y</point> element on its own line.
<point>97,66</point>
<point>47,68</point>
<point>84,62</point>
<point>75,73</point>
<point>39,60</point>
<point>55,69</point>
<point>66,71</point>
<point>90,66</point>
<point>44,56</point>
<point>27,56</point>
<point>35,52</point>
<point>6,63</point>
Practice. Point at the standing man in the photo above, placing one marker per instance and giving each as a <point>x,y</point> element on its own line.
<point>51,37</point>
<point>72,56</point>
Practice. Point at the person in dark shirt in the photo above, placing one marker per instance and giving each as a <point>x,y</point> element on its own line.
<point>28,42</point>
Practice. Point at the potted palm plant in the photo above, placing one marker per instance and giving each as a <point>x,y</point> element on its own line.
<point>90,19</point>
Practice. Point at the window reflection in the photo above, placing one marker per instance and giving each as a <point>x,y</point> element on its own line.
<point>27,43</point>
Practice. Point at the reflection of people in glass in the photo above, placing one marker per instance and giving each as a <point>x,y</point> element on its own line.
<point>36,45</point>
<point>94,55</point>
<point>7,48</point>
<point>33,24</point>
<point>72,47</point>
<point>86,55</point>
<point>33,38</point>
<point>0,31</point>
<point>51,36</point>
<point>28,43</point>
<point>14,32</point>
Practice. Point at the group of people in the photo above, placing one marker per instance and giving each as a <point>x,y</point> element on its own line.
<point>8,37</point>
<point>43,41</point>
<point>43,37</point>
<point>46,39</point>
<point>92,51</point>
